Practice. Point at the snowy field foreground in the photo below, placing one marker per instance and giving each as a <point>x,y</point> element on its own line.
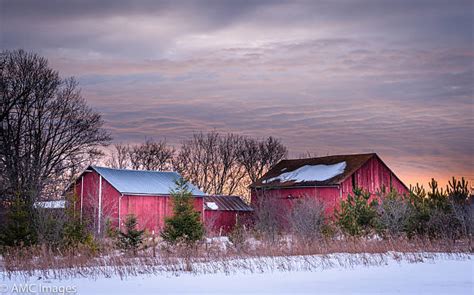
<point>440,274</point>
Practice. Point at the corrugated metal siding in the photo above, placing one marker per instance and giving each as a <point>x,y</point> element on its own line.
<point>227,203</point>
<point>143,182</point>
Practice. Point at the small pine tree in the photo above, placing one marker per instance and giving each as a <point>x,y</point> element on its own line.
<point>19,228</point>
<point>185,224</point>
<point>420,208</point>
<point>132,238</point>
<point>110,230</point>
<point>75,230</point>
<point>357,215</point>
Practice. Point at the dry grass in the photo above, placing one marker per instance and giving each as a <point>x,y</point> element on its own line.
<point>250,257</point>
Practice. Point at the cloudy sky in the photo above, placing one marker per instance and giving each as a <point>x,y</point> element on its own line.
<point>327,77</point>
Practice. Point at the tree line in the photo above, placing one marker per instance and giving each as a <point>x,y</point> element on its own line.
<point>222,164</point>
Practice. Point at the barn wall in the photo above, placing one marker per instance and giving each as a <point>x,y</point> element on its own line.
<point>151,211</point>
<point>220,221</point>
<point>286,197</point>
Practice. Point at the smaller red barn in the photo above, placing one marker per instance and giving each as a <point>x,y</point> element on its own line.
<point>222,213</point>
<point>109,195</point>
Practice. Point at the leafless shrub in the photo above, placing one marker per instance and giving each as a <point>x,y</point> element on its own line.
<point>442,224</point>
<point>393,213</point>
<point>464,215</point>
<point>210,226</point>
<point>269,219</point>
<point>307,219</point>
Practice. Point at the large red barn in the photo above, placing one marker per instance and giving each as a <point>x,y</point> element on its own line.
<point>329,179</point>
<point>111,194</point>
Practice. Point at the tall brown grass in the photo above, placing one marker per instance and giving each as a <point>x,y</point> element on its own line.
<point>285,254</point>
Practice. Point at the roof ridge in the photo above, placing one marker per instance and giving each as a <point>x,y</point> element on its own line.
<point>340,155</point>
<point>133,170</point>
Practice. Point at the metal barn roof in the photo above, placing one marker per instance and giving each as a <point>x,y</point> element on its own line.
<point>352,163</point>
<point>225,203</point>
<point>142,182</point>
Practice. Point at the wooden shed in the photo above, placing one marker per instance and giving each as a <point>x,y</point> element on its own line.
<point>223,213</point>
<point>329,179</point>
<point>111,194</point>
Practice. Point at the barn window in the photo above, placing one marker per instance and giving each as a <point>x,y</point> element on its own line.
<point>354,185</point>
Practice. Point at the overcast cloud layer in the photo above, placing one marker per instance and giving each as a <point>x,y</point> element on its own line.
<point>392,77</point>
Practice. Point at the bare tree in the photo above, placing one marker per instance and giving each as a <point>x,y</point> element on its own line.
<point>258,156</point>
<point>227,170</point>
<point>20,80</point>
<point>211,162</point>
<point>195,159</point>
<point>151,155</point>
<point>119,157</point>
<point>48,131</point>
<point>225,164</point>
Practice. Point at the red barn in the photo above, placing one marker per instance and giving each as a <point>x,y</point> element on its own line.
<point>110,194</point>
<point>222,213</point>
<point>329,178</point>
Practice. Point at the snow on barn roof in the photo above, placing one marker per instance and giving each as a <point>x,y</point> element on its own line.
<point>225,203</point>
<point>143,182</point>
<point>321,171</point>
<point>306,173</point>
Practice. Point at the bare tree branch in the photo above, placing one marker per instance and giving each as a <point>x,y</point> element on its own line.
<point>48,131</point>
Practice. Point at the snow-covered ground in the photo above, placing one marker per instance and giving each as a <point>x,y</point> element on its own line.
<point>441,275</point>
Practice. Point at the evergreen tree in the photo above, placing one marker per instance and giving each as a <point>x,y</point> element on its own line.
<point>357,215</point>
<point>132,238</point>
<point>19,229</point>
<point>75,229</point>
<point>185,224</point>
